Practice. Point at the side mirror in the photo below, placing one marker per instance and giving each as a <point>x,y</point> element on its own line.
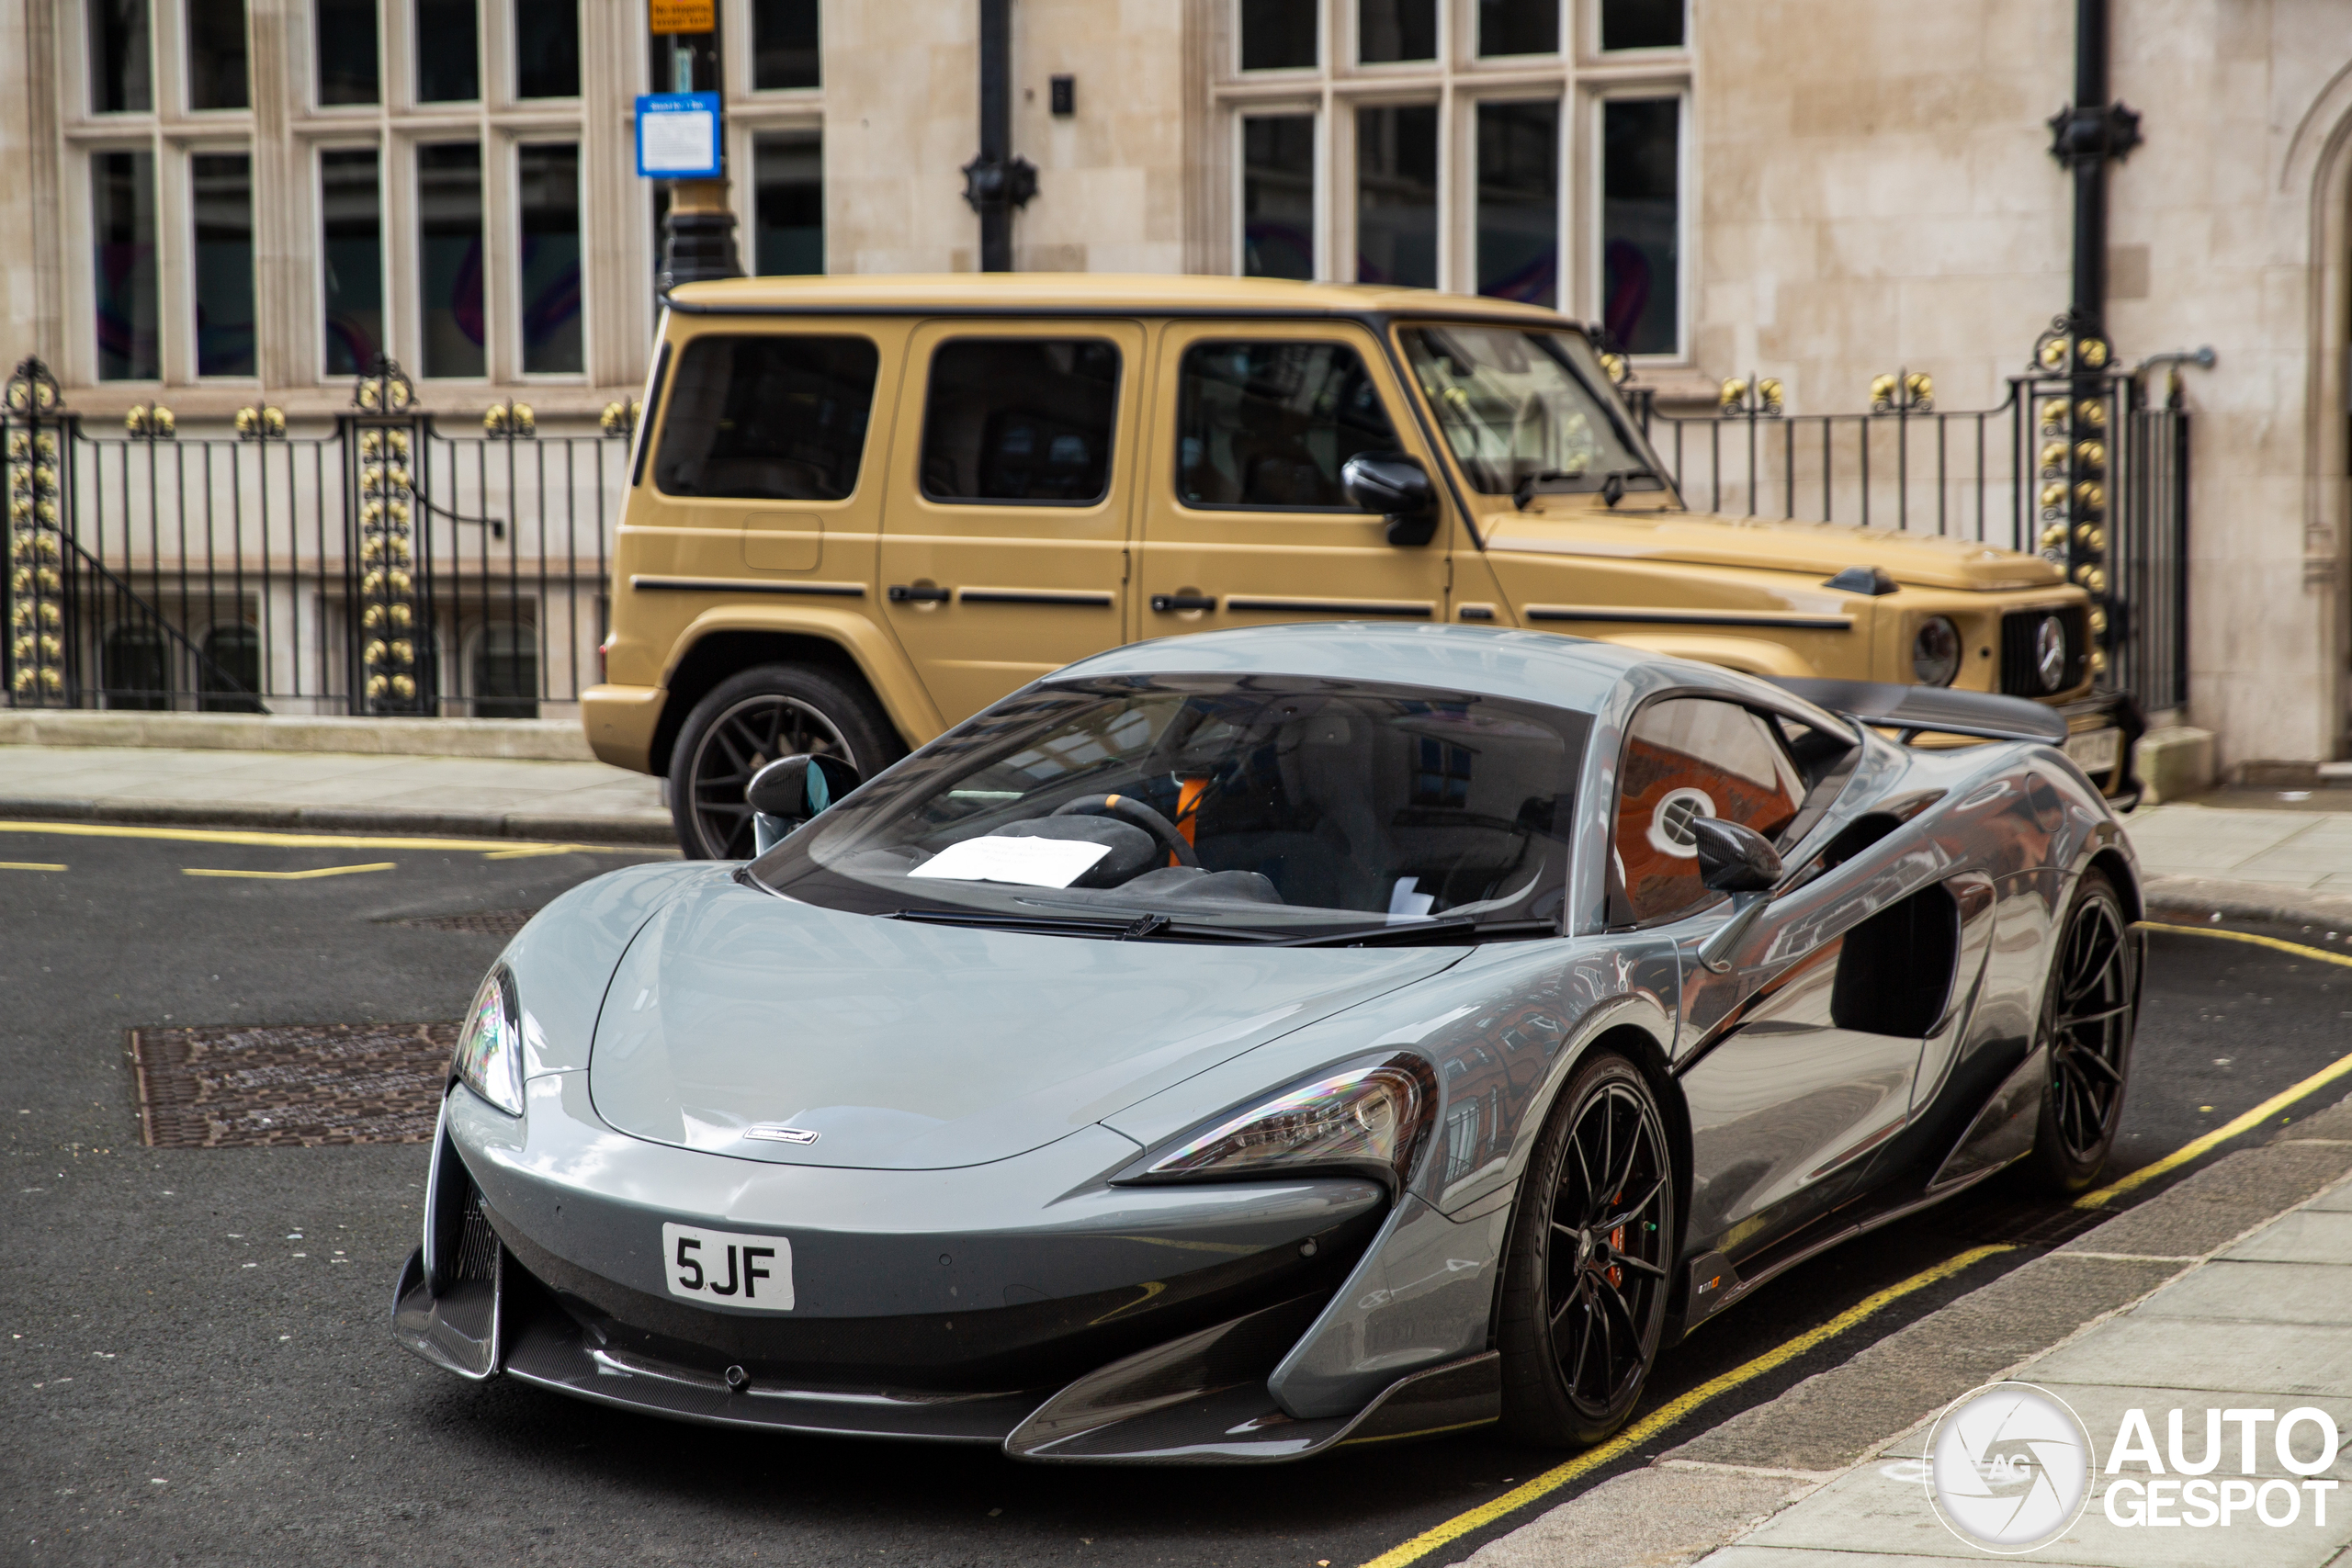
<point>1733,859</point>
<point>1740,862</point>
<point>1397,486</point>
<point>790,790</point>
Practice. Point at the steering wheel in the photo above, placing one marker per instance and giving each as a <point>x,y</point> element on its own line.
<point>1128,808</point>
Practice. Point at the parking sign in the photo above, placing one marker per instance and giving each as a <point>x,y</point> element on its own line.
<point>677,136</point>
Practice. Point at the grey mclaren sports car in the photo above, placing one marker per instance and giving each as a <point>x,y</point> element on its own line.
<point>1237,1045</point>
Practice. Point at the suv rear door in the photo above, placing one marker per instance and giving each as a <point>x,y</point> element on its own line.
<point>1244,521</point>
<point>1012,469</point>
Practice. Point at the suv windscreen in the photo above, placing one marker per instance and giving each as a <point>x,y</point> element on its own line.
<point>1523,408</point>
<point>767,418</point>
<point>1269,804</point>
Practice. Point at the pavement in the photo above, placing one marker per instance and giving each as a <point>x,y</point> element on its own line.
<point>478,796</point>
<point>2232,1291</point>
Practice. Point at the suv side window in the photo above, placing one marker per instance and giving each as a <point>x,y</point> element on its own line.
<point>763,418</point>
<point>1010,421</point>
<point>1267,425</point>
<point>1692,757</point>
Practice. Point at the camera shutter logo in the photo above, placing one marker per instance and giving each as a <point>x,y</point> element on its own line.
<point>1670,822</point>
<point>2008,1467</point>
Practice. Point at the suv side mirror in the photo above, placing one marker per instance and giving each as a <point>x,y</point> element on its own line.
<point>1733,859</point>
<point>1397,485</point>
<point>790,790</point>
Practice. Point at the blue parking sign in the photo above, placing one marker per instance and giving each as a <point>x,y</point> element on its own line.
<point>677,136</point>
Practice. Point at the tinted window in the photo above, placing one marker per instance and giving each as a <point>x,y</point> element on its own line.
<point>1692,757</point>
<point>768,418</point>
<point>1020,419</point>
<point>1271,423</point>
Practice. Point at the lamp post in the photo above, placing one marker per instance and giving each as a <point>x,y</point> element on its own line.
<point>682,135</point>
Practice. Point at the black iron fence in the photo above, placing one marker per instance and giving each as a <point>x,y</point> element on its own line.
<point>2076,463</point>
<point>379,566</point>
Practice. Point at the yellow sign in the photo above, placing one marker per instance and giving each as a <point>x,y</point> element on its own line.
<point>684,16</point>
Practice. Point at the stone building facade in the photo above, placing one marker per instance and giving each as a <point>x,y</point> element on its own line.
<point>212,202</point>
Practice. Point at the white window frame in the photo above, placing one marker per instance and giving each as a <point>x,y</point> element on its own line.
<point>1580,77</point>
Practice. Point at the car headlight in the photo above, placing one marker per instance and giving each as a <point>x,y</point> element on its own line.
<point>1371,1119</point>
<point>1935,651</point>
<point>490,1046</point>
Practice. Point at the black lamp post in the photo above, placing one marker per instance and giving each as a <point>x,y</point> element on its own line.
<point>997,182</point>
<point>698,231</point>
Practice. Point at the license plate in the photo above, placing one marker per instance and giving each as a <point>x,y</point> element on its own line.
<point>727,1268</point>
<point>2095,750</point>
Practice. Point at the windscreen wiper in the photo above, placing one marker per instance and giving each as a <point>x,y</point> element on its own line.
<point>1611,486</point>
<point>1138,928</point>
<point>1410,933</point>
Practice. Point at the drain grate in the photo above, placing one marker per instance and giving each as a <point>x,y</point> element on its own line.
<point>483,922</point>
<point>290,1085</point>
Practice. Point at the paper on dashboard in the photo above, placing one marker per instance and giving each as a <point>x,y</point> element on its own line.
<point>1030,862</point>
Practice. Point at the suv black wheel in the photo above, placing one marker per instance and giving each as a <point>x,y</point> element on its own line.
<point>2086,1022</point>
<point>1592,1242</point>
<point>748,721</point>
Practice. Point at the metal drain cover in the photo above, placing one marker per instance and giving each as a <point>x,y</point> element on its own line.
<point>290,1085</point>
<point>483,922</point>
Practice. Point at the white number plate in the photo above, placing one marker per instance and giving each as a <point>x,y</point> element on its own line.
<point>728,1268</point>
<point>2095,750</point>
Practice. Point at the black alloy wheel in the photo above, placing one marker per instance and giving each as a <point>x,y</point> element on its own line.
<point>2087,1018</point>
<point>1592,1246</point>
<point>748,721</point>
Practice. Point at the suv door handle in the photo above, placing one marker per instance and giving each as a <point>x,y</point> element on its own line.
<point>924,594</point>
<point>1168,603</point>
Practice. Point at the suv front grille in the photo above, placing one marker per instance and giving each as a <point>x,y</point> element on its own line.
<point>2021,669</point>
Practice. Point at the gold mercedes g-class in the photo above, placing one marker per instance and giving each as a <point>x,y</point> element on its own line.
<point>862,508</point>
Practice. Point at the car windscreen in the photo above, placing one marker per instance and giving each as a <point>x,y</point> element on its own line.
<point>1521,408</point>
<point>1261,804</point>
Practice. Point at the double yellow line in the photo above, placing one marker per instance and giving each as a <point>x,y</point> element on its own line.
<point>1667,1415</point>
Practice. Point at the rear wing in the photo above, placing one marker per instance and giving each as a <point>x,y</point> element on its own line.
<point>1916,710</point>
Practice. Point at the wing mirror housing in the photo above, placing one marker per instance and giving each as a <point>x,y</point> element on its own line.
<point>1397,486</point>
<point>790,790</point>
<point>1741,862</point>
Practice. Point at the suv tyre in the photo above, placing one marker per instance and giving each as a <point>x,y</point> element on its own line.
<point>748,721</point>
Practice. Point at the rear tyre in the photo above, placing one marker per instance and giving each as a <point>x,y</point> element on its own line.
<point>748,721</point>
<point>1592,1242</point>
<point>2088,1013</point>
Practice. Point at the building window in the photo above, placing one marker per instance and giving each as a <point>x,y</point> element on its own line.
<point>506,671</point>
<point>548,182</point>
<point>1396,195</point>
<point>122,224</point>
<point>1641,222</point>
<point>1278,195</point>
<point>546,48</point>
<point>223,185</point>
<point>1519,201</point>
<point>230,681</point>
<point>135,668</point>
<point>122,78</point>
<point>448,52</point>
<point>784,45</point>
<point>1641,24</point>
<point>1280,35</point>
<point>351,204</point>
<point>1506,147</point>
<point>216,54</point>
<point>450,258</point>
<point>1389,30</point>
<point>1519,27</point>
<point>345,43</point>
<point>788,174</point>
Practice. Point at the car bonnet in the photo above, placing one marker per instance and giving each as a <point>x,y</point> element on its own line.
<point>910,1047</point>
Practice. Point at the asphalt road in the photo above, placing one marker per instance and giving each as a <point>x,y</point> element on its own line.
<point>198,1369</point>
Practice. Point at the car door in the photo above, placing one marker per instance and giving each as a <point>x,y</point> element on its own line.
<point>1787,1105</point>
<point>1004,541</point>
<point>1243,521</point>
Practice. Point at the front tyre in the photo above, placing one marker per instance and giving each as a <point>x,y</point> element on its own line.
<point>749,720</point>
<point>2088,1013</point>
<point>1585,1280</point>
